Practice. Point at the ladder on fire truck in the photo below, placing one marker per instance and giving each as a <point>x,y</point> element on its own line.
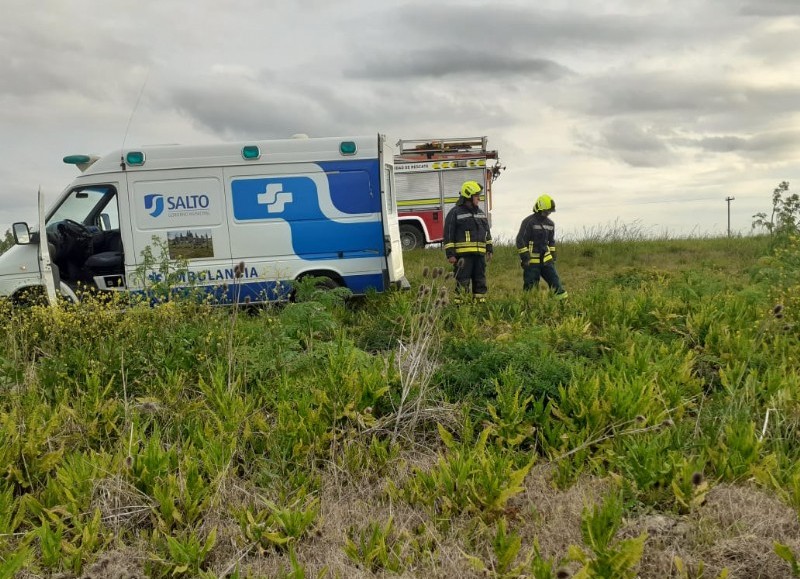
<point>428,148</point>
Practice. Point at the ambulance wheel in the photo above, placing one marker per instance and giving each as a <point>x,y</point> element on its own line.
<point>322,282</point>
<point>67,293</point>
<point>411,237</point>
<point>327,283</point>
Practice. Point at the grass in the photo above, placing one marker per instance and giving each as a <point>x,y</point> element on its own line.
<point>645,427</point>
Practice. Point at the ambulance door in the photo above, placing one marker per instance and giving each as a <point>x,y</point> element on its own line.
<point>180,215</point>
<point>391,228</point>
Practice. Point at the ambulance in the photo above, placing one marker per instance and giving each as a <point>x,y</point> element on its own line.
<point>244,221</point>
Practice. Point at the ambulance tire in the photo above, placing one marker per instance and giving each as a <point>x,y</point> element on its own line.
<point>326,283</point>
<point>37,295</point>
<point>67,293</point>
<point>323,283</point>
<point>411,237</point>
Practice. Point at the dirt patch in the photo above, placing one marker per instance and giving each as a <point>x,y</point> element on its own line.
<point>735,530</point>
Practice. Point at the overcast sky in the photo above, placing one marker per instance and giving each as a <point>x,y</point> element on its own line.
<point>637,114</point>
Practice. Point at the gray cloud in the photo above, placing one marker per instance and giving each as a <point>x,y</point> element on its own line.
<point>36,63</point>
<point>439,63</point>
<point>684,99</point>
<point>632,143</point>
<point>762,146</point>
<point>503,27</point>
<point>574,94</point>
<point>771,8</point>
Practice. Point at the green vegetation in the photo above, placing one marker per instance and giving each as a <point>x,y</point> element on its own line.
<point>647,426</point>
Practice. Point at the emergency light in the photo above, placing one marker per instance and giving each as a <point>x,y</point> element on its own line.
<point>251,152</point>
<point>347,148</point>
<point>77,159</point>
<point>135,158</point>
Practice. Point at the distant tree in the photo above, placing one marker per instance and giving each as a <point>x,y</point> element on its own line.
<point>785,215</point>
<point>6,242</point>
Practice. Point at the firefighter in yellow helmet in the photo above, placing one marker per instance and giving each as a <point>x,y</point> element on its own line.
<point>468,243</point>
<point>536,246</point>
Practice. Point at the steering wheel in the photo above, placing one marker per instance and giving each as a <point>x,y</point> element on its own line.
<point>75,225</point>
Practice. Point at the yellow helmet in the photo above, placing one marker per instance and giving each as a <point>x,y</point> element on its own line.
<point>470,188</point>
<point>544,203</point>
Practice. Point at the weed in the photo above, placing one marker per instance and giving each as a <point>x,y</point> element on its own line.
<point>606,558</point>
<point>475,479</point>
<point>375,547</point>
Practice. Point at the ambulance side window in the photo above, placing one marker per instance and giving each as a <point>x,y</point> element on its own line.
<point>109,216</point>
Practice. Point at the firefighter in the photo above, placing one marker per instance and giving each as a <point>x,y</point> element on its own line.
<point>468,243</point>
<point>536,246</point>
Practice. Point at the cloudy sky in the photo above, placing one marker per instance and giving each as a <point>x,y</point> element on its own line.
<point>631,114</point>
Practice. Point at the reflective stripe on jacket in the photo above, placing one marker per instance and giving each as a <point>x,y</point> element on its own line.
<point>536,240</point>
<point>466,230</point>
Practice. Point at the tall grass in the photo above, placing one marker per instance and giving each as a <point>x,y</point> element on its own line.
<point>401,433</point>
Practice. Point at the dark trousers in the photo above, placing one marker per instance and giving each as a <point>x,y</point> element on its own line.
<point>470,269</point>
<point>547,271</point>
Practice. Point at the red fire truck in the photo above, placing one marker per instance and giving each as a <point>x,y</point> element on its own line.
<point>428,176</point>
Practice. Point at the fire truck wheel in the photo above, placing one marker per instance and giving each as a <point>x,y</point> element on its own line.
<point>411,237</point>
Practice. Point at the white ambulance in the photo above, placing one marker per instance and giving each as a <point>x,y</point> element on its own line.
<point>243,219</point>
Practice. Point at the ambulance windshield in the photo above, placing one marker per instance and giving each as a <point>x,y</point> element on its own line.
<point>82,205</point>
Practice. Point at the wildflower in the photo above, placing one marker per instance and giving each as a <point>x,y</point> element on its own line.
<point>437,271</point>
<point>562,574</point>
<point>777,310</point>
<point>640,419</point>
<point>697,479</point>
<point>667,423</point>
<point>238,270</point>
<point>449,276</point>
<point>425,271</point>
<point>128,462</point>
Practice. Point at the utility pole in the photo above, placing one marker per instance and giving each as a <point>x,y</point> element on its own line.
<point>729,199</point>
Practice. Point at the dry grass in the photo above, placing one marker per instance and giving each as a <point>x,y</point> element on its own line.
<point>735,529</point>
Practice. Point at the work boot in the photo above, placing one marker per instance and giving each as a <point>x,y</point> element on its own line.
<point>480,298</point>
<point>562,296</point>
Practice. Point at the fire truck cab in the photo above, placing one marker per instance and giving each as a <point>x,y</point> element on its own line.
<point>428,176</point>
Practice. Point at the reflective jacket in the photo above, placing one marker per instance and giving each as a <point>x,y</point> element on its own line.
<point>536,240</point>
<point>466,231</point>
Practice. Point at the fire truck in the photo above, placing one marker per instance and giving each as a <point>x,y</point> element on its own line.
<point>428,177</point>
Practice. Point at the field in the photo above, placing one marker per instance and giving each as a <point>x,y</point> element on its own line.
<point>645,427</point>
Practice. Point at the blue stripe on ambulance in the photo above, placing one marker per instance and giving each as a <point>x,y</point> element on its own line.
<point>315,236</point>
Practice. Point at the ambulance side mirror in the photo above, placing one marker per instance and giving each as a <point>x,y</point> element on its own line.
<point>22,234</point>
